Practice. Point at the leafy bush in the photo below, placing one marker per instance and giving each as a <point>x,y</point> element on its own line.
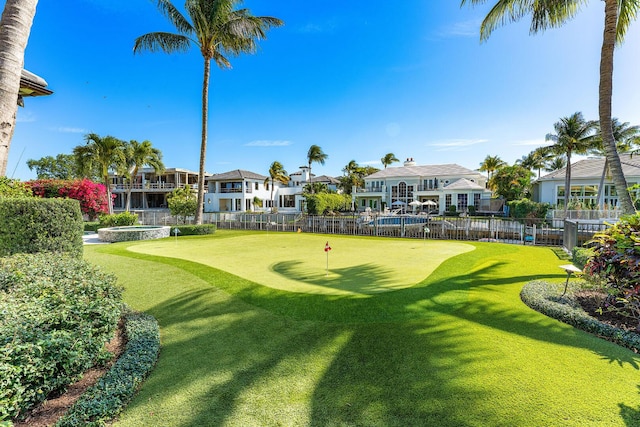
<point>13,188</point>
<point>545,298</point>
<point>525,208</point>
<point>91,195</point>
<point>580,256</point>
<point>471,209</point>
<point>91,226</point>
<point>40,225</point>
<point>122,219</point>
<point>452,211</point>
<point>115,389</point>
<point>182,203</point>
<point>324,203</point>
<point>57,314</point>
<point>616,265</point>
<point>193,230</point>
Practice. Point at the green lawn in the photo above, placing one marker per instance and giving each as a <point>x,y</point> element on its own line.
<point>401,332</point>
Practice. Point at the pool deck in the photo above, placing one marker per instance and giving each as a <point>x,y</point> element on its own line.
<point>92,239</point>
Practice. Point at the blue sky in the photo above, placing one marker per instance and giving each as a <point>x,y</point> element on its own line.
<point>358,78</point>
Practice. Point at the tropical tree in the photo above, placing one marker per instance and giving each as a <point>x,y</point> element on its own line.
<point>63,166</point>
<point>104,154</point>
<point>138,155</point>
<point>574,135</point>
<point>618,15</point>
<point>388,159</point>
<point>536,160</point>
<point>627,138</point>
<point>511,182</point>
<point>276,173</point>
<point>219,30</point>
<point>491,164</point>
<point>182,203</point>
<point>315,155</point>
<point>555,164</point>
<point>15,26</point>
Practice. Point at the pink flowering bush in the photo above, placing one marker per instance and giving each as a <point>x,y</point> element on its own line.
<point>91,195</point>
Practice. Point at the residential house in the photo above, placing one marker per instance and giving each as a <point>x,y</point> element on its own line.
<point>585,181</point>
<point>150,190</point>
<point>437,187</point>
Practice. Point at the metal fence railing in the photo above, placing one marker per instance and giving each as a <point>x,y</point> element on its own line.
<point>568,233</point>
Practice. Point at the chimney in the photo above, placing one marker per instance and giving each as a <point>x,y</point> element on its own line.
<point>409,162</point>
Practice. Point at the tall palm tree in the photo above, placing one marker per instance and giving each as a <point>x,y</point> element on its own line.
<point>315,154</point>
<point>350,168</point>
<point>555,164</point>
<point>15,26</point>
<point>627,138</point>
<point>137,155</point>
<point>103,154</point>
<point>490,164</point>
<point>276,173</point>
<point>388,159</point>
<point>618,15</point>
<point>218,30</point>
<point>535,160</point>
<point>574,135</point>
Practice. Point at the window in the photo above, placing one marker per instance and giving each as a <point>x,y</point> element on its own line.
<point>447,201</point>
<point>289,201</point>
<point>402,189</point>
<point>586,194</point>
<point>256,185</point>
<point>476,200</point>
<point>463,202</point>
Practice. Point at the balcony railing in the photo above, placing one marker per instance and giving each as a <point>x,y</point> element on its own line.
<point>152,186</point>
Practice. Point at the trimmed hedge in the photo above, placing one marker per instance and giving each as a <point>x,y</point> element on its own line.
<point>33,225</point>
<point>194,230</point>
<point>123,219</point>
<point>323,203</point>
<point>545,298</point>
<point>57,314</point>
<point>108,397</point>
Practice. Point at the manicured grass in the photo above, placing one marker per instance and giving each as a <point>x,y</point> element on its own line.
<point>458,348</point>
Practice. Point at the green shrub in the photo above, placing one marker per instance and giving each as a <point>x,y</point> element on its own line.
<point>57,314</point>
<point>452,211</point>
<point>580,256</point>
<point>13,188</point>
<point>545,298</point>
<point>91,226</point>
<point>324,203</point>
<point>615,265</point>
<point>525,208</point>
<point>194,230</point>
<point>123,219</point>
<point>114,390</point>
<point>471,209</point>
<point>33,225</point>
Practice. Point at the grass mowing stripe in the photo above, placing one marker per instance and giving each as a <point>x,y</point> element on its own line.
<point>458,348</point>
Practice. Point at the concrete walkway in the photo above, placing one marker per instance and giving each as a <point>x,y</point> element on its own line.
<point>92,239</point>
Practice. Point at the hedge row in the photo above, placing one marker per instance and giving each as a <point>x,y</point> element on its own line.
<point>546,298</point>
<point>194,230</point>
<point>57,314</point>
<point>33,225</point>
<point>114,390</point>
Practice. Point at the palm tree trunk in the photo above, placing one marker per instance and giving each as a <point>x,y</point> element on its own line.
<point>15,26</point>
<point>203,144</point>
<point>605,95</point>
<point>567,184</point>
<point>601,185</point>
<point>105,178</point>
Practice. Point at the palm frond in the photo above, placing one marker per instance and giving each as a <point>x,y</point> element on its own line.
<point>627,13</point>
<point>161,41</point>
<point>175,17</point>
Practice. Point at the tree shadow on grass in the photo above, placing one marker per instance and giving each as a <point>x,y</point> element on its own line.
<point>631,416</point>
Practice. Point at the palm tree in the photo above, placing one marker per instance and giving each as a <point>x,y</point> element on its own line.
<point>218,30</point>
<point>490,164</point>
<point>388,159</point>
<point>555,164</point>
<point>137,155</point>
<point>15,26</point>
<point>627,138</point>
<point>574,135</point>
<point>276,173</point>
<point>350,168</point>
<point>315,154</point>
<point>533,161</point>
<point>618,15</point>
<point>103,154</point>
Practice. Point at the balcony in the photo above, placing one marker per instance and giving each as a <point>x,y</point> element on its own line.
<point>150,186</point>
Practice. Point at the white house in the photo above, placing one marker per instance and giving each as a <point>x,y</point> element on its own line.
<point>437,187</point>
<point>585,181</point>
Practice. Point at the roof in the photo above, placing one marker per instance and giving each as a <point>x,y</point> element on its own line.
<point>420,171</point>
<point>171,170</point>
<point>592,168</point>
<point>236,174</point>
<point>32,85</point>
<point>464,184</point>
<point>325,179</point>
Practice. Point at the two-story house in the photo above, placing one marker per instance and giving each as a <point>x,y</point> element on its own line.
<point>435,187</point>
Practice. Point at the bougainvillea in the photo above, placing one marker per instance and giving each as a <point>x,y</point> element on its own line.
<point>616,265</point>
<point>91,195</point>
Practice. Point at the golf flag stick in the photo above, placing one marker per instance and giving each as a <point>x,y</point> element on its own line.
<point>327,248</point>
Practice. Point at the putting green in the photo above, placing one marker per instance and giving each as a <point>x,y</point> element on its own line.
<point>297,262</point>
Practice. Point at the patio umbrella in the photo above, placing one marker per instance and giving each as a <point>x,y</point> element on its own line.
<point>429,203</point>
<point>416,203</point>
<point>398,203</point>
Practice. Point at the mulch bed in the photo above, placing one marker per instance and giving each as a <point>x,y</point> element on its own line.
<point>591,301</point>
<point>48,412</point>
